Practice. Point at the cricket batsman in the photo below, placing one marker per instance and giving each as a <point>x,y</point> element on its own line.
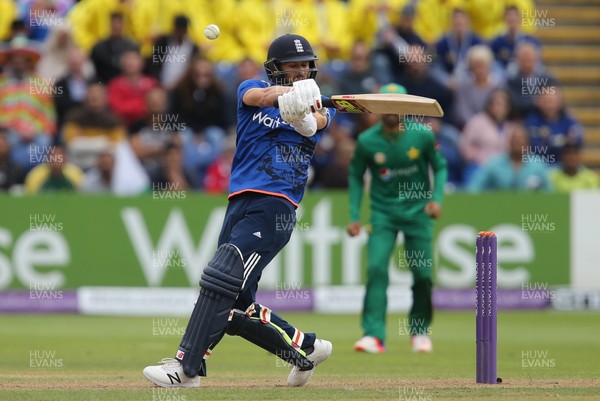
<point>265,190</point>
<point>398,153</point>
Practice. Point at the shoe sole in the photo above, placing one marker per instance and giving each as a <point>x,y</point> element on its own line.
<point>361,349</point>
<point>164,385</point>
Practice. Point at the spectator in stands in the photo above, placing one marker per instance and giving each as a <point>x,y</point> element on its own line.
<point>219,171</point>
<point>55,174</point>
<point>99,178</point>
<point>89,128</point>
<point>127,92</point>
<point>362,75</point>
<point>151,136</point>
<point>172,176</point>
<point>246,69</point>
<point>199,98</point>
<point>57,49</point>
<point>452,48</point>
<point>171,53</point>
<point>336,175</point>
<point>367,17</point>
<point>447,137</point>
<point>10,173</point>
<point>340,130</point>
<point>509,171</point>
<point>17,28</point>
<point>550,126</point>
<point>485,134</point>
<point>26,107</point>
<point>474,88</point>
<point>247,39</point>
<point>503,46</point>
<point>91,20</point>
<point>8,13</point>
<point>107,54</point>
<point>571,174</point>
<point>325,24</point>
<point>71,88</point>
<point>43,15</point>
<point>527,79</point>
<point>395,40</point>
<point>200,150</point>
<point>418,79</point>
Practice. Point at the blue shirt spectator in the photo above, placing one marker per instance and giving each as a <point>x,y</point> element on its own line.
<point>551,127</point>
<point>451,49</point>
<point>447,138</point>
<point>514,170</point>
<point>418,80</point>
<point>503,46</point>
<point>527,78</point>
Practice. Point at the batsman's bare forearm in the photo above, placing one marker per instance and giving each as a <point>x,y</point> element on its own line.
<point>321,120</point>
<point>264,97</point>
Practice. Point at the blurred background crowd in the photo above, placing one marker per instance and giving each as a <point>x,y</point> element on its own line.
<point>128,96</point>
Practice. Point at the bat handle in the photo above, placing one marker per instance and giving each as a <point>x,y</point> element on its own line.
<point>327,102</point>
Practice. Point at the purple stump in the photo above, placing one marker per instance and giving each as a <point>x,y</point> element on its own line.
<point>486,307</point>
<point>486,311</point>
<point>479,302</point>
<point>492,370</point>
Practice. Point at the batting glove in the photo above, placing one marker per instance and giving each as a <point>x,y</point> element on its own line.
<point>307,126</point>
<point>291,108</point>
<point>309,94</point>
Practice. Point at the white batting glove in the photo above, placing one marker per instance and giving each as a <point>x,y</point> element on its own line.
<point>291,108</point>
<point>309,94</point>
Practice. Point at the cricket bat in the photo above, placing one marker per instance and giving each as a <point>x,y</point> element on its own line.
<point>384,103</point>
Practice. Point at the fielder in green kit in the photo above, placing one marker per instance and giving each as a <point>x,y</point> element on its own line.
<point>399,153</point>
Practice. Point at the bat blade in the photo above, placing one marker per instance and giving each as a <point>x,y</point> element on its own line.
<point>384,103</point>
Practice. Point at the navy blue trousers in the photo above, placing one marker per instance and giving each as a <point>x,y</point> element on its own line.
<point>260,226</point>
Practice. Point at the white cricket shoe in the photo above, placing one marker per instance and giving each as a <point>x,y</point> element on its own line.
<point>421,343</point>
<point>322,350</point>
<point>170,374</point>
<point>372,345</point>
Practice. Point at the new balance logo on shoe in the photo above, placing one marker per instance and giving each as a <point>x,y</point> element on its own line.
<point>174,378</point>
<point>257,234</point>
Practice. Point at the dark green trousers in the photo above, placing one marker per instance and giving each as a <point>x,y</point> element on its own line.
<point>416,257</point>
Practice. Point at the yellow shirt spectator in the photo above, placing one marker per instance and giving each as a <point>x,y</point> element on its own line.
<point>585,178</point>
<point>325,24</point>
<point>487,16</point>
<point>367,17</point>
<point>152,18</point>
<point>256,26</point>
<point>432,19</point>
<point>228,15</point>
<point>56,174</point>
<point>90,20</point>
<point>8,12</point>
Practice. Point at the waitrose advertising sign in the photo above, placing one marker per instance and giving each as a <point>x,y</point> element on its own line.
<point>66,242</point>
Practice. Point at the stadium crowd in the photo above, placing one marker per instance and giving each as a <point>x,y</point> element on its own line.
<point>126,96</point>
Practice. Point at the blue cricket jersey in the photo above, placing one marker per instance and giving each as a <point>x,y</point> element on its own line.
<point>270,156</point>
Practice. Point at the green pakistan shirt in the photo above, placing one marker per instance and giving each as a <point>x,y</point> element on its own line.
<point>399,165</point>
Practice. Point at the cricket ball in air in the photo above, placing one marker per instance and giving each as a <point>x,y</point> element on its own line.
<point>212,32</point>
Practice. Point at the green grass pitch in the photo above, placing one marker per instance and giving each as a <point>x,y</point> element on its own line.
<point>541,355</point>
